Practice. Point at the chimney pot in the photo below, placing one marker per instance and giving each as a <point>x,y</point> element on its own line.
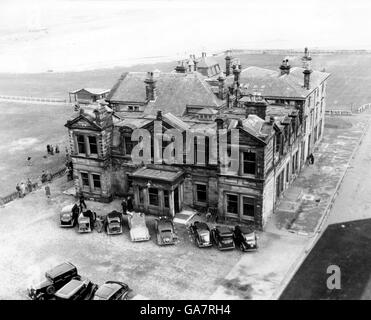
<point>159,115</point>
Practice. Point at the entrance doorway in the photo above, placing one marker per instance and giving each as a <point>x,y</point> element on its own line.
<point>176,199</point>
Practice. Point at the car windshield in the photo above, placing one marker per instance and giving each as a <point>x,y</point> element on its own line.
<point>205,237</point>
<point>166,231</point>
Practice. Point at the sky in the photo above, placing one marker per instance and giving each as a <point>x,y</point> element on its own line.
<point>80,34</point>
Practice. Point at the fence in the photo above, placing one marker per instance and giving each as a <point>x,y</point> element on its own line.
<point>349,112</point>
<point>33,99</point>
<point>35,185</point>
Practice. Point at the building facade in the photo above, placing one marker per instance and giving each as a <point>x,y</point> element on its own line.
<point>279,117</point>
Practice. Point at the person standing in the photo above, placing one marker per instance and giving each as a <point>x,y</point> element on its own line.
<point>47,191</point>
<point>48,148</point>
<point>124,207</point>
<point>29,185</point>
<point>51,150</point>
<point>82,201</point>
<point>18,188</point>
<point>23,189</point>
<point>56,149</point>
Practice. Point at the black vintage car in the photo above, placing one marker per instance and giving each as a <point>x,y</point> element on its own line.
<point>222,237</point>
<point>245,238</point>
<point>112,290</point>
<point>55,279</point>
<point>200,232</point>
<point>77,289</point>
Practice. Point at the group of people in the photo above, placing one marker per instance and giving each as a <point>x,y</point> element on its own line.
<point>50,149</point>
<point>24,187</point>
<point>127,205</point>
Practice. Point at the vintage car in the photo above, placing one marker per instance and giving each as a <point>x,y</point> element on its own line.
<point>165,232</point>
<point>112,290</point>
<point>86,221</point>
<point>114,222</point>
<point>138,227</point>
<point>54,280</point>
<point>68,215</point>
<point>244,238</point>
<point>200,232</point>
<point>77,289</point>
<point>222,236</point>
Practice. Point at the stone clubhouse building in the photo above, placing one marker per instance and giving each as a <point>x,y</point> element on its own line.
<point>279,116</point>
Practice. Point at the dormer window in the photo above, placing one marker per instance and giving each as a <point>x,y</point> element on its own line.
<point>130,108</point>
<point>136,108</point>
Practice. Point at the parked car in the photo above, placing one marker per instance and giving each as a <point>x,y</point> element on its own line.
<point>165,232</point>
<point>77,289</point>
<point>68,215</point>
<point>86,221</point>
<point>222,236</point>
<point>201,234</point>
<point>112,290</point>
<point>244,238</point>
<point>114,222</point>
<point>55,279</point>
<point>138,227</point>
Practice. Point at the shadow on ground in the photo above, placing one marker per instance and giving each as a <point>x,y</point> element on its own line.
<point>345,245</point>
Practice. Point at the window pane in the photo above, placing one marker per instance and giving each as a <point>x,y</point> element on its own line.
<point>248,207</point>
<point>201,192</point>
<point>249,162</point>
<point>232,204</point>
<point>153,196</point>
<point>81,143</point>
<point>93,145</point>
<point>85,179</point>
<point>96,181</point>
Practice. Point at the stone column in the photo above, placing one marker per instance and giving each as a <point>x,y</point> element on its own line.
<point>171,203</point>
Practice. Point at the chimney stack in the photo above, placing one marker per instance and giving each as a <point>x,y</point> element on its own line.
<point>285,67</point>
<point>150,87</point>
<point>236,73</point>
<point>307,73</point>
<point>306,59</point>
<point>221,93</point>
<point>228,59</point>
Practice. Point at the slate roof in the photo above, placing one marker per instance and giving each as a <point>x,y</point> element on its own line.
<point>175,91</point>
<point>94,91</point>
<point>271,84</point>
<point>157,174</point>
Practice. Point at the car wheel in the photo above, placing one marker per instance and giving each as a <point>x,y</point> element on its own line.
<point>50,290</point>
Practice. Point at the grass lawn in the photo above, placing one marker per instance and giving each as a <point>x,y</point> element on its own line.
<point>26,129</point>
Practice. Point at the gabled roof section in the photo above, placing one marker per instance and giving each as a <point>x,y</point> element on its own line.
<point>175,121</point>
<point>270,83</point>
<point>175,91</point>
<point>83,121</point>
<point>93,91</point>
